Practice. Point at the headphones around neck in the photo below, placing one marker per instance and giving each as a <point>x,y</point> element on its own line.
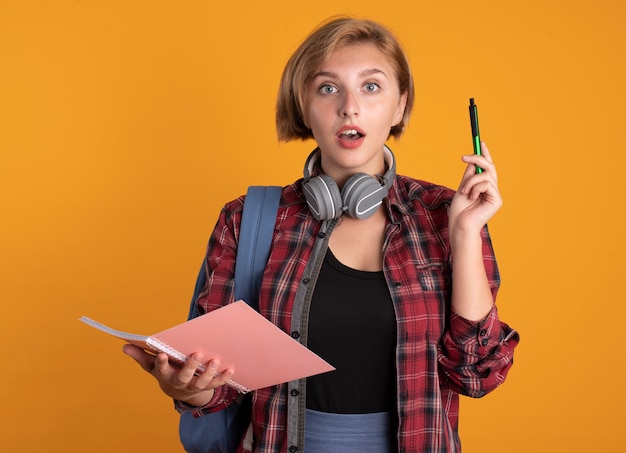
<point>359,198</point>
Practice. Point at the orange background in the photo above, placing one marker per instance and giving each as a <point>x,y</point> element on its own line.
<point>125,126</point>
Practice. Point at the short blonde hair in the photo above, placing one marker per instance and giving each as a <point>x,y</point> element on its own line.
<point>315,50</point>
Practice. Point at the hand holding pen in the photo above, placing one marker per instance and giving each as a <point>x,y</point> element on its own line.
<point>478,197</point>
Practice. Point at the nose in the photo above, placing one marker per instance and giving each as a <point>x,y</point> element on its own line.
<point>349,106</point>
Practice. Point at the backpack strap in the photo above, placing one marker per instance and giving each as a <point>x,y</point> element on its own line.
<point>255,240</point>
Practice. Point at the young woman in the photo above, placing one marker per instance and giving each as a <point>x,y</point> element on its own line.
<point>390,279</point>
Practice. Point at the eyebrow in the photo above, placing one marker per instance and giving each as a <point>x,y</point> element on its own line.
<point>363,73</point>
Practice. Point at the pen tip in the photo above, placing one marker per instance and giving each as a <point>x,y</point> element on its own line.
<point>471,101</point>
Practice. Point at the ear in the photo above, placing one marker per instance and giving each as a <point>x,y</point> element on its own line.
<point>401,106</point>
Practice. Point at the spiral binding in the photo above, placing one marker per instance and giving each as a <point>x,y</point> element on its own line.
<point>172,353</point>
<point>237,386</point>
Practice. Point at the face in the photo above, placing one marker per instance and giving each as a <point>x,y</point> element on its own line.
<point>351,104</point>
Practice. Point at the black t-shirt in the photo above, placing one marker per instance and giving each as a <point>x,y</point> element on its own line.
<point>352,326</point>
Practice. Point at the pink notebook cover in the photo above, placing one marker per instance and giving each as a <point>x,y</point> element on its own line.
<point>260,354</point>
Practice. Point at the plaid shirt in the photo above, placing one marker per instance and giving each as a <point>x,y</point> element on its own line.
<point>439,355</point>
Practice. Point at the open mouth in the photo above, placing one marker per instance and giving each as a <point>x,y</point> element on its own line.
<point>350,135</point>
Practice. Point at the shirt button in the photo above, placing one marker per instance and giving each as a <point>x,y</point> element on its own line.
<point>295,334</point>
<point>322,235</point>
<point>295,392</point>
<point>484,342</point>
<point>306,280</point>
<point>483,332</point>
<point>293,449</point>
<point>397,284</point>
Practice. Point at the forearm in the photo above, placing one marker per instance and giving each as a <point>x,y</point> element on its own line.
<point>472,298</point>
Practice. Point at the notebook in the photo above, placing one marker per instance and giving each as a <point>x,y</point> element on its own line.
<point>259,353</point>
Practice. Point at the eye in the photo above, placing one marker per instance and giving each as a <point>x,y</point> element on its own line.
<point>371,87</point>
<point>328,89</point>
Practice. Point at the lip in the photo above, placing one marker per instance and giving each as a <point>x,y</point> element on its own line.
<point>347,143</point>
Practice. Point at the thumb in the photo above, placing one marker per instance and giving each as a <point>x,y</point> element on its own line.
<point>145,360</point>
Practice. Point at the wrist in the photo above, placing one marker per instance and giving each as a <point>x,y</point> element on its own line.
<point>465,239</point>
<point>199,400</point>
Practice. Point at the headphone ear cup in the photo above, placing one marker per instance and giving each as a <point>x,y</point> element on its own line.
<point>323,197</point>
<point>362,194</point>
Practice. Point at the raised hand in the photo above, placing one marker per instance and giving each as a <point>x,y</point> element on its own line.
<point>478,197</point>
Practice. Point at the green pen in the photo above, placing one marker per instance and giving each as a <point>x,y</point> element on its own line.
<point>473,111</point>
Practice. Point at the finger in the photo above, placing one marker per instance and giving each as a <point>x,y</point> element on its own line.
<point>212,377</point>
<point>222,378</point>
<point>471,177</point>
<point>487,156</point>
<point>485,151</point>
<point>162,365</point>
<point>477,190</point>
<point>481,161</point>
<point>192,367</point>
<point>486,191</point>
